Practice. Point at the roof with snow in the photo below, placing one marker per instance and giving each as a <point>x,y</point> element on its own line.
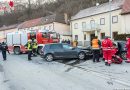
<point>8,27</point>
<point>126,7</point>
<point>30,23</point>
<point>42,21</point>
<point>53,18</point>
<point>115,5</point>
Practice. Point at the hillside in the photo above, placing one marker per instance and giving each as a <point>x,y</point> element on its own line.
<point>39,9</point>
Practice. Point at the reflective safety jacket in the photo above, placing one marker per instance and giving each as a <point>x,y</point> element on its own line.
<point>34,45</point>
<point>75,43</point>
<point>29,46</point>
<point>95,44</point>
<point>128,44</point>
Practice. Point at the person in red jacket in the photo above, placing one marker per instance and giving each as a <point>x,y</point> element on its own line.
<point>128,49</point>
<point>107,50</point>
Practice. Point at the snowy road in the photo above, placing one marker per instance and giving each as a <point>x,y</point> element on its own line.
<point>20,74</point>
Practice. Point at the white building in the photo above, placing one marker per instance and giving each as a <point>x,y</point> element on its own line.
<point>98,21</point>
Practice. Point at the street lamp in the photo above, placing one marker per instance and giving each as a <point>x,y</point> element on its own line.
<point>110,29</point>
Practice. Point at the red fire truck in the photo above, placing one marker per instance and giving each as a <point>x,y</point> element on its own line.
<point>17,40</point>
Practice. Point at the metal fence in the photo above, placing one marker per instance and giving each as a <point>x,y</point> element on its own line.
<point>121,37</point>
<point>84,43</point>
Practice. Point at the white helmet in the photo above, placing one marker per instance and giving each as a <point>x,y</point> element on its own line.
<point>29,40</point>
<point>35,40</point>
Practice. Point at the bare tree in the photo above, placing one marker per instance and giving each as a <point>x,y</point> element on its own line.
<point>31,9</point>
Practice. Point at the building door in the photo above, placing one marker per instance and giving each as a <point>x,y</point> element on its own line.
<point>92,36</point>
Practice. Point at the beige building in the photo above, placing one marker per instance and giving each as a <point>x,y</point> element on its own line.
<point>95,21</point>
<point>57,23</point>
<point>7,29</point>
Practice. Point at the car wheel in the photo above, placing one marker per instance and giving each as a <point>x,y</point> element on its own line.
<point>17,50</point>
<point>123,55</point>
<point>49,57</point>
<point>81,55</point>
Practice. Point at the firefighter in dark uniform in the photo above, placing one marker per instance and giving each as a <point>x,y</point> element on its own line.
<point>4,48</point>
<point>34,50</point>
<point>29,47</point>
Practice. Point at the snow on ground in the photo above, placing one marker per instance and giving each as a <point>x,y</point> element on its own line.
<point>116,71</point>
<point>38,74</point>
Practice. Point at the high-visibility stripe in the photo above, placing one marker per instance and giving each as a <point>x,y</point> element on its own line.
<point>29,46</point>
<point>105,60</point>
<point>109,61</point>
<point>107,49</point>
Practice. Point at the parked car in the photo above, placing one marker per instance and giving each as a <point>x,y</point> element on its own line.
<point>121,49</point>
<point>51,52</point>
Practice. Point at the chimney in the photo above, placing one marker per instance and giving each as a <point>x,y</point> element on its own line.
<point>66,18</point>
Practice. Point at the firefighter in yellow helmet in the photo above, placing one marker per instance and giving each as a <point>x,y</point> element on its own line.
<point>34,47</point>
<point>29,48</point>
<point>96,49</point>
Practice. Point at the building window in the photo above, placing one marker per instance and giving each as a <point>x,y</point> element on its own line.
<point>114,19</point>
<point>44,27</point>
<point>45,35</point>
<point>76,26</point>
<point>50,27</point>
<point>102,21</point>
<point>114,34</point>
<point>84,25</point>
<point>84,36</point>
<point>92,23</point>
<point>76,37</point>
<point>102,35</point>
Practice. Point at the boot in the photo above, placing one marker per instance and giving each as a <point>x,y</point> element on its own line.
<point>29,59</point>
<point>4,59</point>
<point>109,64</point>
<point>127,61</point>
<point>106,63</point>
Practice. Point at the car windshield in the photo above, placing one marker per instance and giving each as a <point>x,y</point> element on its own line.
<point>54,35</point>
<point>33,35</point>
<point>45,35</point>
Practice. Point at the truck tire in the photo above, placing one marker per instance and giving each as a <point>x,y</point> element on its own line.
<point>17,50</point>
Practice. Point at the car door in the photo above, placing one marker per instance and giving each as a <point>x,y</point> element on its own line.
<point>69,52</point>
<point>57,50</point>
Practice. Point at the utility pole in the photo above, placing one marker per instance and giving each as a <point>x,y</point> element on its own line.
<point>110,21</point>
